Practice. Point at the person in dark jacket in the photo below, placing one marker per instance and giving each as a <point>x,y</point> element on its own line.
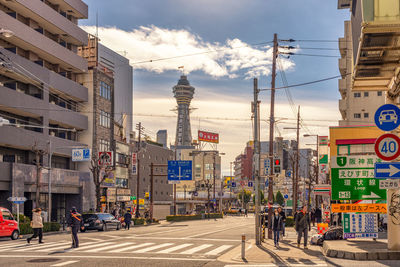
<point>303,225</point>
<point>282,213</point>
<point>75,221</point>
<point>318,215</point>
<point>127,220</point>
<point>277,226</point>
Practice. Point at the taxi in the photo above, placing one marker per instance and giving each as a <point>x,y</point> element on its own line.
<point>8,226</point>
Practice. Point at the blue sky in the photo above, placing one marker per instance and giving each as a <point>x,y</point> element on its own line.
<point>222,90</point>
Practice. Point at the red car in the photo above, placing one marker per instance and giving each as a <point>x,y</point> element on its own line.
<point>8,226</point>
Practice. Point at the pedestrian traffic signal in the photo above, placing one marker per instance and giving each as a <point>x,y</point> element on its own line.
<point>277,165</point>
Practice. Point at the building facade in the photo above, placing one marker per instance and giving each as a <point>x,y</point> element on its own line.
<point>162,138</point>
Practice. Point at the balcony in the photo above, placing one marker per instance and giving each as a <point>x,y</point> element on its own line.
<point>342,46</point>
<point>343,87</point>
<point>342,67</point>
<point>343,107</point>
<point>375,30</point>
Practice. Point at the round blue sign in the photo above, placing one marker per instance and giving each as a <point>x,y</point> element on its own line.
<point>387,117</point>
<point>286,196</point>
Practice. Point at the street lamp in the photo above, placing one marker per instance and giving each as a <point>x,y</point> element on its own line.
<point>317,167</point>
<point>6,33</point>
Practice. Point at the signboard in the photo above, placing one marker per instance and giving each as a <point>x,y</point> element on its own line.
<point>267,165</point>
<point>80,154</point>
<point>208,137</point>
<point>286,196</point>
<point>179,170</point>
<point>233,184</point>
<point>322,140</point>
<point>106,158</point>
<point>266,182</point>
<point>389,184</point>
<point>133,197</point>
<point>323,159</point>
<point>134,163</point>
<point>385,170</point>
<point>17,200</point>
<point>250,184</point>
<point>123,198</point>
<point>141,201</point>
<point>360,225</point>
<point>322,189</point>
<point>378,208</point>
<point>109,178</point>
<point>387,147</point>
<point>353,178</point>
<point>387,117</point>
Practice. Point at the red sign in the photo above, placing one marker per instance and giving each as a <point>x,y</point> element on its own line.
<point>387,146</point>
<point>106,158</point>
<point>208,137</point>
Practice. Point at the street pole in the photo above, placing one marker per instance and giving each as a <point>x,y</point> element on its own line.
<point>50,158</point>
<point>151,191</point>
<point>230,188</point>
<point>214,200</point>
<point>295,189</point>
<point>317,174</point>
<point>256,159</point>
<point>139,127</point>
<point>271,135</point>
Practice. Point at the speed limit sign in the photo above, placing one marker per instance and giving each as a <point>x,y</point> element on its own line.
<point>387,146</point>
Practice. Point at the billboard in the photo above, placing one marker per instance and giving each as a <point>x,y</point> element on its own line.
<point>134,163</point>
<point>208,137</point>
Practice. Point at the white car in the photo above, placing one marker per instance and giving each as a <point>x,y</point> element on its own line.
<point>388,116</point>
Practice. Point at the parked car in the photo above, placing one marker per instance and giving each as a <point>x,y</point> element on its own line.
<point>100,222</point>
<point>8,226</point>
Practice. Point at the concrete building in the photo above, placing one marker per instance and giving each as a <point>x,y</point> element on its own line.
<point>357,107</point>
<point>38,87</point>
<point>162,138</point>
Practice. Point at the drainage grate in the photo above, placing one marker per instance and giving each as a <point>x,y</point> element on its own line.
<point>43,260</point>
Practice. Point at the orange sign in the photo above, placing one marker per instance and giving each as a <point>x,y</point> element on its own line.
<point>208,137</point>
<point>380,208</point>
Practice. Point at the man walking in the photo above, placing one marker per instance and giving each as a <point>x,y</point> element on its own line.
<point>277,225</point>
<point>303,225</point>
<point>75,221</point>
<point>282,213</point>
<point>37,226</point>
<point>318,215</point>
<point>127,219</point>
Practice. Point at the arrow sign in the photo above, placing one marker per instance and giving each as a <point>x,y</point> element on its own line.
<point>384,170</point>
<point>373,195</point>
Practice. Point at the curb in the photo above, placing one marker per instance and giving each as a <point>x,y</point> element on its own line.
<point>381,254</point>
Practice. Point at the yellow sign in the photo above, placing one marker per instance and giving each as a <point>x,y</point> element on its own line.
<point>378,208</point>
<point>141,201</point>
<point>146,194</point>
<point>134,201</point>
<point>103,199</point>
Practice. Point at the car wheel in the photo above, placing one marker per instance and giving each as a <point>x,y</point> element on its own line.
<point>118,226</point>
<point>15,235</point>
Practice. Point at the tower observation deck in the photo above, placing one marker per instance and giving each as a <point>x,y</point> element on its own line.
<point>183,94</point>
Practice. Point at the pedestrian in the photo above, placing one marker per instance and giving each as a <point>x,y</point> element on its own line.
<point>277,226</point>
<point>318,215</point>
<point>75,221</point>
<point>245,212</point>
<point>127,219</point>
<point>282,213</point>
<point>37,226</point>
<point>313,217</point>
<point>303,225</point>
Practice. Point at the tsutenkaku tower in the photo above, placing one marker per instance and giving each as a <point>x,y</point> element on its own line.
<point>183,93</point>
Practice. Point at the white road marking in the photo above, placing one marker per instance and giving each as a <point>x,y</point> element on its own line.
<point>153,247</point>
<point>161,232</point>
<point>218,250</point>
<point>278,265</point>
<point>169,250</point>
<point>68,245</point>
<point>92,246</point>
<point>95,239</point>
<point>23,247</point>
<point>108,247</point>
<point>131,247</point>
<point>42,246</point>
<point>196,249</point>
<point>64,263</point>
<point>186,238</point>
<point>219,230</point>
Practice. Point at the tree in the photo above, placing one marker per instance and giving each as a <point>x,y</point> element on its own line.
<point>279,198</point>
<point>261,197</point>
<point>246,196</point>
<point>96,169</point>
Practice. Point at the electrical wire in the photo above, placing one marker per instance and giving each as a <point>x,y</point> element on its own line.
<point>309,55</point>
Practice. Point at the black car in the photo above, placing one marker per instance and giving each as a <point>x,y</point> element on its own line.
<point>100,222</point>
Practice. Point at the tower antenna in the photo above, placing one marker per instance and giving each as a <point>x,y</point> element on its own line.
<point>182,69</point>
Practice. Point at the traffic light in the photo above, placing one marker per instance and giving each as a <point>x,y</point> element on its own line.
<point>277,165</point>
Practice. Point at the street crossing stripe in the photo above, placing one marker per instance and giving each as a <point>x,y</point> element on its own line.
<point>43,246</point>
<point>154,247</point>
<point>169,250</point>
<point>92,246</point>
<point>68,245</point>
<point>196,249</point>
<point>108,247</point>
<point>64,263</point>
<point>218,250</point>
<point>131,247</point>
<point>21,246</point>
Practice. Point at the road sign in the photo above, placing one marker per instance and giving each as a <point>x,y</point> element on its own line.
<point>286,196</point>
<point>233,184</point>
<point>133,197</point>
<point>378,207</point>
<point>195,194</point>
<point>134,163</point>
<point>389,184</point>
<point>250,184</point>
<point>179,170</point>
<point>387,117</point>
<point>106,158</point>
<point>81,154</point>
<point>386,170</point>
<point>360,225</point>
<point>353,178</point>
<point>17,200</point>
<point>289,174</point>
<point>387,147</point>
<point>266,182</point>
<point>267,166</point>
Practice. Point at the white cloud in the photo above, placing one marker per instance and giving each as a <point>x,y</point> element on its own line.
<point>153,43</point>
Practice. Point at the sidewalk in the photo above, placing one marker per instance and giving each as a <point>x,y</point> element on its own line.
<point>287,254</point>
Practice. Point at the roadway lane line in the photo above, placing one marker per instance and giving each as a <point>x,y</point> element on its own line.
<point>169,250</point>
<point>64,263</point>
<point>131,247</point>
<point>218,250</point>
<point>92,246</point>
<point>196,249</point>
<point>109,247</point>
<point>153,248</point>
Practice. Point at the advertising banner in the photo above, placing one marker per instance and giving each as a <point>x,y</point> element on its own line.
<point>208,137</point>
<point>134,163</point>
<point>381,208</point>
<point>322,140</point>
<point>106,158</point>
<point>360,225</point>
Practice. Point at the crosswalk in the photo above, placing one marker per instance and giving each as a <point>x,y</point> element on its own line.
<point>111,246</point>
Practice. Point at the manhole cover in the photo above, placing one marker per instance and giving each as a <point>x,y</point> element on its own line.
<point>43,260</point>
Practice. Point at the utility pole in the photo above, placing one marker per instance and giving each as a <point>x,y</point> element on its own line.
<point>214,199</point>
<point>139,128</point>
<point>317,173</point>
<point>271,136</point>
<point>49,164</point>
<point>38,154</point>
<point>296,182</point>
<point>151,190</point>
<point>256,160</point>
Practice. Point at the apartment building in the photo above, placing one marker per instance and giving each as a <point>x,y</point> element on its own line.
<point>41,97</point>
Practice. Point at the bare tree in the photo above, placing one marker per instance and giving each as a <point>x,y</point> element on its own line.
<point>95,168</point>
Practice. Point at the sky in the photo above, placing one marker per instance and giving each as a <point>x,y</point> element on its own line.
<point>223,45</point>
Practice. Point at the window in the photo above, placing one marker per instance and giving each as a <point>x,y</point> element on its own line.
<point>366,115</point>
<point>366,94</point>
<point>105,119</point>
<point>105,90</point>
<point>7,215</point>
<point>209,176</point>
<point>357,115</point>
<point>357,94</point>
<point>104,145</point>
<point>209,166</point>
<point>379,93</point>
<point>120,182</point>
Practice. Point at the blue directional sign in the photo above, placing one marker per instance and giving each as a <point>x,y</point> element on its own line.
<point>289,174</point>
<point>385,170</point>
<point>81,154</point>
<point>387,117</point>
<point>17,200</point>
<point>233,184</point>
<point>286,196</point>
<point>179,170</point>
<point>250,184</point>
<point>266,183</point>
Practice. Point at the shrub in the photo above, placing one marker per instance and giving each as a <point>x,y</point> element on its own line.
<point>178,218</point>
<point>25,228</point>
<point>22,218</point>
<point>138,221</point>
<point>289,221</point>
